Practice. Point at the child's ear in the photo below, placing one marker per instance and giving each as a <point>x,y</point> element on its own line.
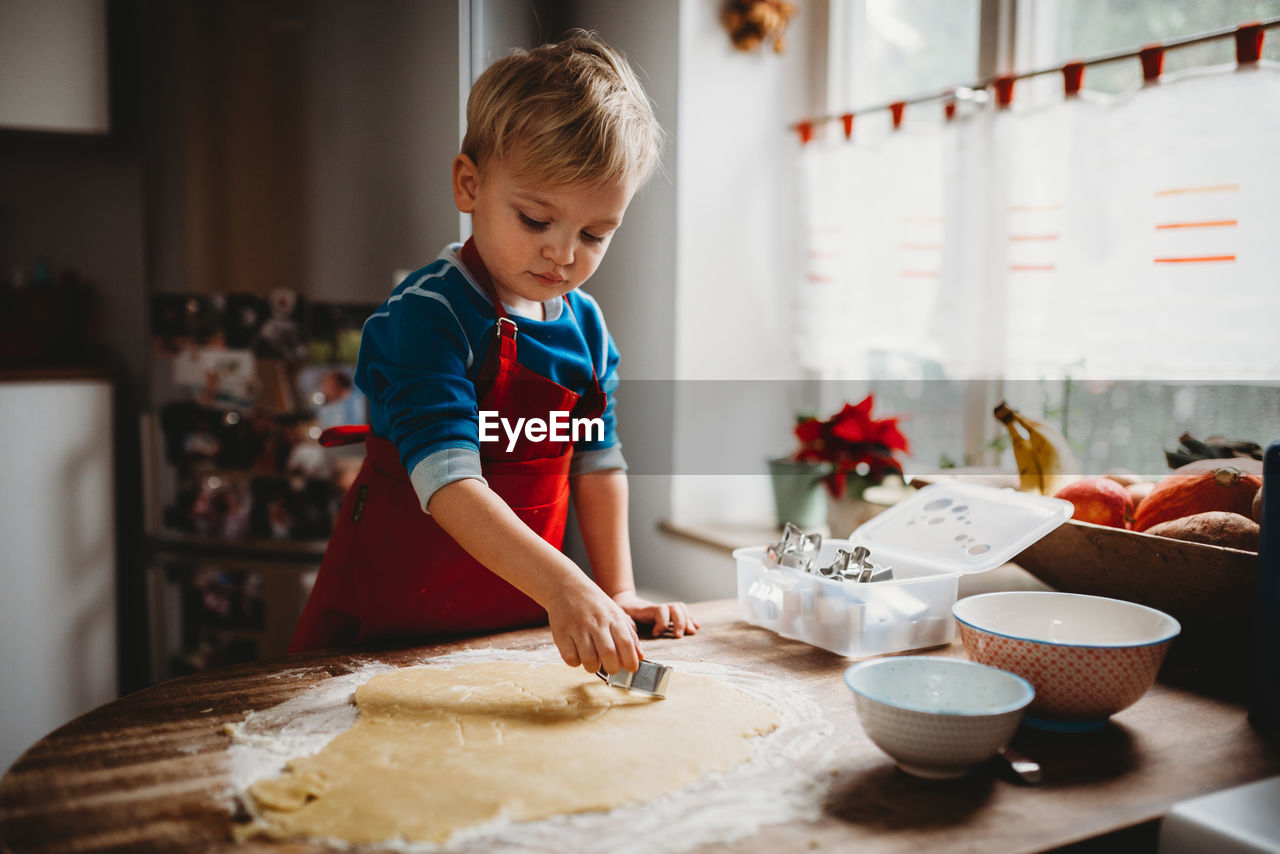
<point>466,182</point>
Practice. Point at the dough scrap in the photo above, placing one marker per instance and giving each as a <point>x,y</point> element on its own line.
<point>436,750</point>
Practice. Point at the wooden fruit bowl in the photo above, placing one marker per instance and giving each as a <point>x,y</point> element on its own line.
<point>1196,584</point>
<point>1210,590</point>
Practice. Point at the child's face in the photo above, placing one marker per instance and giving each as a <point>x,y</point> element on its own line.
<point>538,242</point>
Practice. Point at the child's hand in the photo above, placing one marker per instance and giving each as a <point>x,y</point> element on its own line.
<point>672,616</point>
<point>591,630</point>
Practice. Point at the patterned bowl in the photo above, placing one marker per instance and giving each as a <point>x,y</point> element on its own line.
<point>1088,657</point>
<point>937,717</point>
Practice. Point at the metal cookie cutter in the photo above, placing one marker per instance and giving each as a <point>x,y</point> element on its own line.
<point>854,566</point>
<point>652,678</point>
<point>796,549</point>
<point>839,568</point>
<point>863,570</point>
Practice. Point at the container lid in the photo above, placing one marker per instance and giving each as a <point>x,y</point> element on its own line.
<point>959,526</point>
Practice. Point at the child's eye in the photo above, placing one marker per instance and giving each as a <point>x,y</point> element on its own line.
<point>591,238</point>
<point>533,224</point>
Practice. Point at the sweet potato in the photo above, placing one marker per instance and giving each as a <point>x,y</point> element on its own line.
<point>1192,489</point>
<point>1217,528</point>
<point>1257,507</point>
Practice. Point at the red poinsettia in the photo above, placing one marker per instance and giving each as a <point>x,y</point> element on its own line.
<point>854,443</point>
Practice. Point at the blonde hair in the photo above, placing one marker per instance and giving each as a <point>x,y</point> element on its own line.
<point>572,112</point>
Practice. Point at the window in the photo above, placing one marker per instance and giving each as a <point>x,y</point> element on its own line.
<point>1052,32</point>
<point>1070,256</point>
<point>884,50</point>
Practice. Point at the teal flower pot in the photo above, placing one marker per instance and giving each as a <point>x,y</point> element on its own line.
<point>799,495</point>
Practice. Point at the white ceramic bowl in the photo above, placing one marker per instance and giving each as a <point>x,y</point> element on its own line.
<point>937,717</point>
<point>1087,656</point>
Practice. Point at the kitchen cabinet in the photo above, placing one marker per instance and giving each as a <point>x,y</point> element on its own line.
<point>55,66</point>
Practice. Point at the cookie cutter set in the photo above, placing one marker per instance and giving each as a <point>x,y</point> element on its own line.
<point>797,549</point>
<point>829,594</point>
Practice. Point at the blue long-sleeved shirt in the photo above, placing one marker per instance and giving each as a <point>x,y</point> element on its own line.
<point>422,349</point>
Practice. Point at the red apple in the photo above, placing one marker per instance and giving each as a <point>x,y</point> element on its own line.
<point>1099,500</point>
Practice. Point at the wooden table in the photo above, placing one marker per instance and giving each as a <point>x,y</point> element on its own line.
<point>148,771</point>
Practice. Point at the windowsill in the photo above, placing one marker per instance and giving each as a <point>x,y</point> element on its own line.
<point>725,536</point>
<point>722,535</point>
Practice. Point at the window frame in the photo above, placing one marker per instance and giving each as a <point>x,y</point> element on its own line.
<point>1011,37</point>
<point>998,41</point>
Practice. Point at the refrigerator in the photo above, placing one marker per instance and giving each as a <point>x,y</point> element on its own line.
<point>240,496</point>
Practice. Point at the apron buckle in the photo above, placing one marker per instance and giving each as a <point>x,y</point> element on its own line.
<point>344,434</point>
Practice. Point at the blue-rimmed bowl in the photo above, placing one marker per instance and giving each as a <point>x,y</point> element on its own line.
<point>937,717</point>
<point>1087,656</point>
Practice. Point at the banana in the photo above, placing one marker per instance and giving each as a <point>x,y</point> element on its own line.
<point>1045,461</point>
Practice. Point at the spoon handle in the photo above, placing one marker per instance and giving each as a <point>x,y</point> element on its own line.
<point>1026,769</point>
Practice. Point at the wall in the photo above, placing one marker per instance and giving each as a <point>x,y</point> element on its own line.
<point>77,201</point>
<point>693,285</point>
<point>636,287</point>
<point>305,146</point>
<point>381,126</point>
<point>737,394</point>
<point>498,26</point>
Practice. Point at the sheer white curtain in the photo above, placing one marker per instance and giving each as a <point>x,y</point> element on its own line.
<point>1134,237</point>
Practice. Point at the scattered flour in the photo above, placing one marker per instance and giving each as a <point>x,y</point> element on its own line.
<point>786,779</point>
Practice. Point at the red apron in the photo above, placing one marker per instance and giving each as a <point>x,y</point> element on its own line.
<point>391,571</point>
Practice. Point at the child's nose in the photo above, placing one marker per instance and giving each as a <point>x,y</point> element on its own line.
<point>559,252</point>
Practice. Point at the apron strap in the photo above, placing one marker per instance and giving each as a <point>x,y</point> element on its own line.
<point>593,401</point>
<point>492,376</point>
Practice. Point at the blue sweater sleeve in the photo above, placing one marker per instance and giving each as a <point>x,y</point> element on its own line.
<point>414,361</point>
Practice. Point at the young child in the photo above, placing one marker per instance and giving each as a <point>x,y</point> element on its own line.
<point>455,522</point>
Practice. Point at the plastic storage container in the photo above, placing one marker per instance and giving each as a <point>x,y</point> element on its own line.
<point>929,539</point>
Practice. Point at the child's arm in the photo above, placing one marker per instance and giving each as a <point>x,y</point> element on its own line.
<point>600,499</point>
<point>587,626</point>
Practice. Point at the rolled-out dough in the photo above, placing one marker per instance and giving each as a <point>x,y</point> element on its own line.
<point>435,750</point>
